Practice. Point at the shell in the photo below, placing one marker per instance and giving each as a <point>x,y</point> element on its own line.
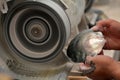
<point>86,43</point>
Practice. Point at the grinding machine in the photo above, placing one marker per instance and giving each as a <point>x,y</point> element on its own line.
<point>34,36</point>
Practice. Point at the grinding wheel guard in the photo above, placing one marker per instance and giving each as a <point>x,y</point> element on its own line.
<point>33,36</point>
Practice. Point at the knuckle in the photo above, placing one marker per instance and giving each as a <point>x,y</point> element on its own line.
<point>110,20</point>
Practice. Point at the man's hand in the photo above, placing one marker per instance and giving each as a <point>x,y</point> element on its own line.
<point>106,68</point>
<point>111,31</point>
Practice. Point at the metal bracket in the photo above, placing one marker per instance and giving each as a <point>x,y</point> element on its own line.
<point>3,6</point>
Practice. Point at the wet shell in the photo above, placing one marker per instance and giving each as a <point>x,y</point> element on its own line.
<point>85,43</point>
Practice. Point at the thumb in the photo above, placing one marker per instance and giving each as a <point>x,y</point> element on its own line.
<point>89,59</point>
<point>95,28</point>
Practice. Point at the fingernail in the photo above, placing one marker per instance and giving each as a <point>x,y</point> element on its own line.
<point>95,28</point>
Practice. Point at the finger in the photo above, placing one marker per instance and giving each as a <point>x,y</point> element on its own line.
<point>95,28</point>
<point>101,25</point>
<point>84,66</point>
<point>106,46</point>
<point>101,53</point>
<point>104,23</point>
<point>98,27</point>
<point>89,59</point>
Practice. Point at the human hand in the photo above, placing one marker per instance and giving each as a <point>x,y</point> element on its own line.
<point>105,67</point>
<point>111,31</point>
